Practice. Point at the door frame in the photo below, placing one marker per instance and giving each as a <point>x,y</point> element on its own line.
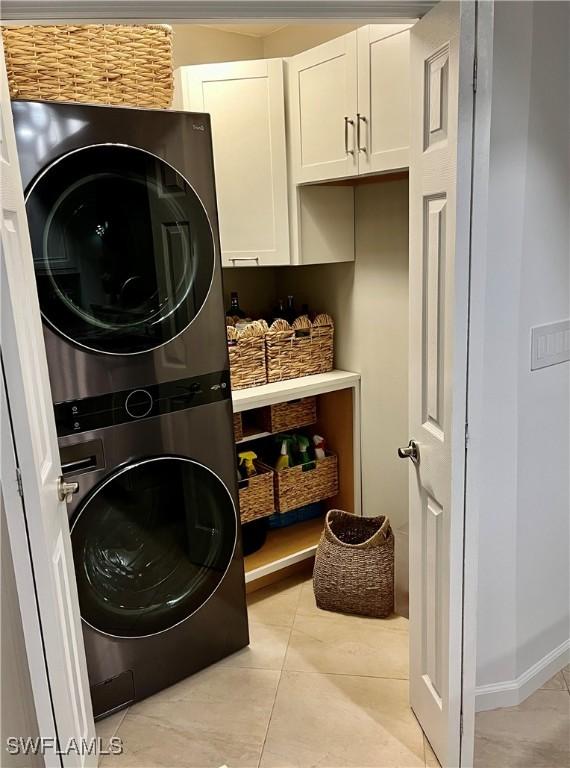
<point>474,258</point>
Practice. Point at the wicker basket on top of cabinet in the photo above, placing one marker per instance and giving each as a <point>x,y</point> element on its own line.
<point>256,497</point>
<point>306,483</point>
<point>128,64</point>
<point>300,349</point>
<point>246,349</point>
<point>281,417</point>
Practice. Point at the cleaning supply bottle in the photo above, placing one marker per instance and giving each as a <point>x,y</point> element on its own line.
<point>303,449</point>
<point>283,461</point>
<point>319,443</point>
<point>246,459</point>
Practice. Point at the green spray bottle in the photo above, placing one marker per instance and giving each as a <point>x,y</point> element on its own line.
<point>303,448</point>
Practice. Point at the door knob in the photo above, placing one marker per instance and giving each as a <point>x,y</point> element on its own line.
<point>66,490</point>
<point>411,452</point>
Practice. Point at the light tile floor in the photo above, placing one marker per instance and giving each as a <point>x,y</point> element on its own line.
<point>536,734</point>
<point>313,689</point>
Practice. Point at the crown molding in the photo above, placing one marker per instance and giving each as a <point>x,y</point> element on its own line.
<point>212,10</point>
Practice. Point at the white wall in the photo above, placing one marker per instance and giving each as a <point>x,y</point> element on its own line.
<point>368,299</point>
<point>198,44</point>
<point>524,570</point>
<point>294,38</point>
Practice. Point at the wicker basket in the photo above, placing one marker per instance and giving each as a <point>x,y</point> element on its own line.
<point>301,349</point>
<point>354,565</point>
<point>96,63</point>
<point>246,349</point>
<point>306,483</point>
<point>256,495</point>
<point>282,417</point>
<point>238,427</point>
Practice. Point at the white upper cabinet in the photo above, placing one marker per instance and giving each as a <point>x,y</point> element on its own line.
<point>247,107</point>
<point>322,90</point>
<point>349,105</point>
<point>383,97</point>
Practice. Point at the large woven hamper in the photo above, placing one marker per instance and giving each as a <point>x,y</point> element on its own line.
<point>354,565</point>
<point>95,63</point>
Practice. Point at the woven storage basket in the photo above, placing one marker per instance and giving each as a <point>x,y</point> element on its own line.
<point>96,63</point>
<point>300,349</point>
<point>306,483</point>
<point>256,495</point>
<point>282,417</point>
<point>354,565</point>
<point>238,427</point>
<point>246,349</point>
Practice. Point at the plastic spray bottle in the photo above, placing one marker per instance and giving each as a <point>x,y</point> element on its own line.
<point>303,449</point>
<point>283,461</point>
<point>246,459</point>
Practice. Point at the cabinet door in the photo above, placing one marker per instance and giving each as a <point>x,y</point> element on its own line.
<point>383,121</point>
<point>322,99</point>
<point>247,106</point>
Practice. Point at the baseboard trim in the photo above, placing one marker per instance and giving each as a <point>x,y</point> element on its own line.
<point>512,692</point>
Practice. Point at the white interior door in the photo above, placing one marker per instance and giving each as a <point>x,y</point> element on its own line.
<point>383,97</point>
<point>247,106</point>
<point>49,594</point>
<point>440,182</point>
<point>322,111</point>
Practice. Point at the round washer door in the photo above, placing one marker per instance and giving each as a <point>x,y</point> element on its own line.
<point>151,544</point>
<point>123,249</point>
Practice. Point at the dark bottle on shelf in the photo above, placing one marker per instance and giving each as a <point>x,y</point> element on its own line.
<point>279,312</point>
<point>290,312</point>
<point>234,309</point>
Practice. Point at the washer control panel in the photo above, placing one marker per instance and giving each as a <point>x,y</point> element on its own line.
<point>138,403</point>
<point>75,416</point>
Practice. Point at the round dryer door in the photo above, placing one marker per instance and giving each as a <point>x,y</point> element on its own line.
<point>123,249</point>
<point>151,544</point>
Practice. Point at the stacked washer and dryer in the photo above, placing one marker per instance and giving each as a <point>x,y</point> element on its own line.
<point>123,222</point>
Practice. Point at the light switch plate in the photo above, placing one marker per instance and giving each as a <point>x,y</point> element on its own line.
<point>550,344</point>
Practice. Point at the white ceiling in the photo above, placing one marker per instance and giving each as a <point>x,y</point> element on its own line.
<point>251,30</point>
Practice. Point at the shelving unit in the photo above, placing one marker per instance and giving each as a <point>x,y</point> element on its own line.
<point>338,419</point>
<point>291,389</point>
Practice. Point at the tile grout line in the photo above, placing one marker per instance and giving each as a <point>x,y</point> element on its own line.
<point>279,681</point>
<point>269,720</point>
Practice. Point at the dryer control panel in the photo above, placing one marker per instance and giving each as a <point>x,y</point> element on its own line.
<point>75,416</point>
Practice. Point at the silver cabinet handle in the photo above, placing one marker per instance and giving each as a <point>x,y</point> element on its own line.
<point>243,258</point>
<point>347,122</point>
<point>411,452</point>
<point>360,119</point>
<point>65,490</point>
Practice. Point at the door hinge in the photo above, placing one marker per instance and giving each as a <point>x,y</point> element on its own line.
<point>475,75</point>
<point>19,481</point>
<point>466,434</point>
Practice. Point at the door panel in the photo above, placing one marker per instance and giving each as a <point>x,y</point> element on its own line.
<point>27,384</point>
<point>247,107</point>
<point>440,183</point>
<point>322,99</point>
<point>383,97</point>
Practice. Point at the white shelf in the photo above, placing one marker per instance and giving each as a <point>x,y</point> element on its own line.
<point>282,391</point>
<point>253,436</point>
